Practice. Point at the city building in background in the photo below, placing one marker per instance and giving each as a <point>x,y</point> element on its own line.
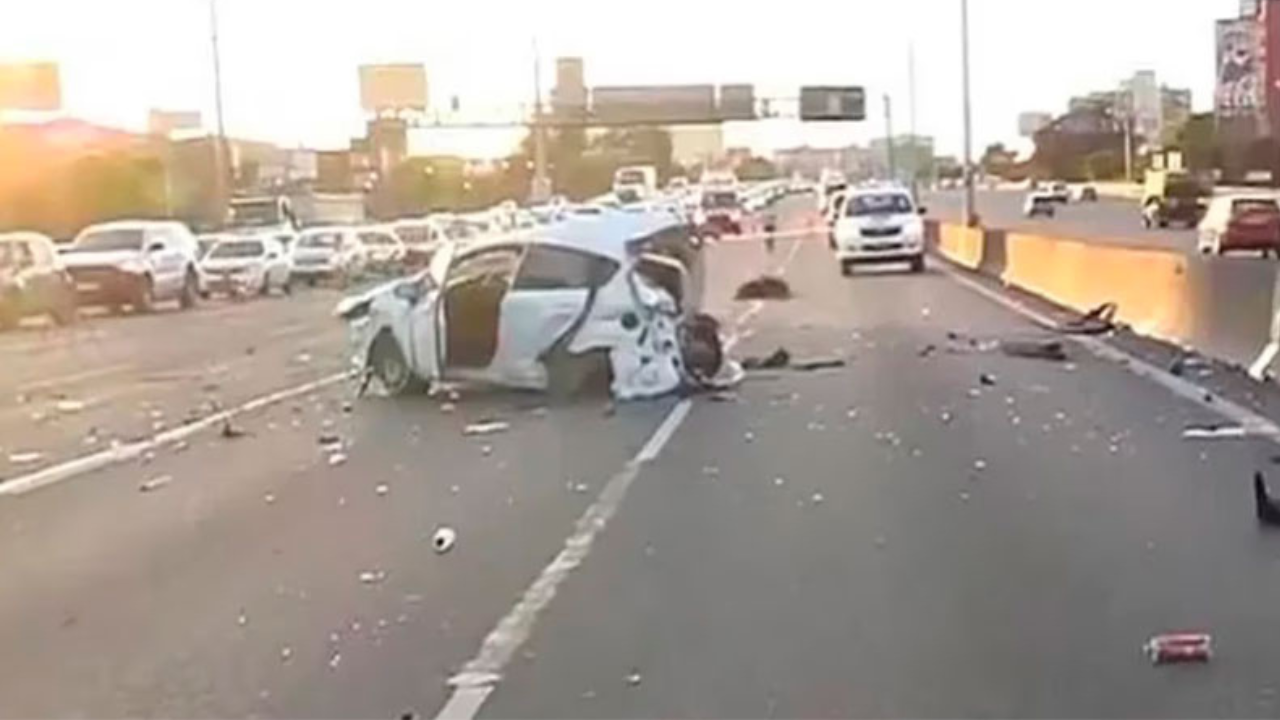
<point>696,144</point>
<point>854,161</point>
<point>911,154</point>
<point>569,95</point>
<point>1156,111</point>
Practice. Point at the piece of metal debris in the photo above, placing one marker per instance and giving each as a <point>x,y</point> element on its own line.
<point>334,660</point>
<point>821,363</point>
<point>1179,648</point>
<point>979,464</point>
<point>1051,350</point>
<point>491,427</point>
<point>777,359</point>
<point>987,379</point>
<point>286,653</point>
<point>155,483</point>
<point>372,577</point>
<point>927,350</point>
<point>1214,432</point>
<point>443,539</point>
<point>818,499</point>
<point>269,498</point>
<point>69,407</point>
<point>382,489</point>
<point>336,459</point>
<point>634,678</point>
<point>764,288</point>
<point>230,431</point>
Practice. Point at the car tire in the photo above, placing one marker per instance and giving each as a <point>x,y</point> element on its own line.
<point>265,289</point>
<point>190,290</point>
<point>388,365</point>
<point>917,264</point>
<point>142,297</point>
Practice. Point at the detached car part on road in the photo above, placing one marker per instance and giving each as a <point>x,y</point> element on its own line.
<point>136,263</point>
<point>33,280</point>
<point>593,297</point>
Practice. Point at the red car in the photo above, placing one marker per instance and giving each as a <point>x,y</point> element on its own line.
<point>1249,222</point>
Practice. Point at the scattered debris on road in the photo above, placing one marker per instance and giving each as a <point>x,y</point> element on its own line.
<point>155,483</point>
<point>818,363</point>
<point>1179,648</point>
<point>1187,362</point>
<point>372,577</point>
<point>1214,432</point>
<point>487,427</point>
<point>765,287</point>
<point>381,490</point>
<point>336,459</point>
<point>927,350</point>
<point>1052,350</point>
<point>1268,511</point>
<point>443,539</point>
<point>1098,321</point>
<point>634,678</point>
<point>232,432</point>
<point>69,407</point>
<point>987,379</point>
<point>779,358</point>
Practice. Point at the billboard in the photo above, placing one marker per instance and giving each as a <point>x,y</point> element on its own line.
<point>737,102</point>
<point>30,86</point>
<point>166,122</point>
<point>833,102</point>
<point>1241,67</point>
<point>393,87</point>
<point>658,104</point>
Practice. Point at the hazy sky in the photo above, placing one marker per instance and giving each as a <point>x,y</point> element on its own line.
<point>289,66</point>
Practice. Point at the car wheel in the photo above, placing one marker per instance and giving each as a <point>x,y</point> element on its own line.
<point>917,264</point>
<point>143,296</point>
<point>190,290</point>
<point>387,363</point>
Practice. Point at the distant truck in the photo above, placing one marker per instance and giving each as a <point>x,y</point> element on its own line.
<point>1174,196</point>
<point>291,213</point>
<point>635,183</point>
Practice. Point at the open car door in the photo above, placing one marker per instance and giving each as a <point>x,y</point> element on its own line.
<point>470,306</point>
<point>549,300</point>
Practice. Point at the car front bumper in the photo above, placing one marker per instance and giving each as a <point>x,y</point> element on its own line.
<point>104,286</point>
<point>891,249</point>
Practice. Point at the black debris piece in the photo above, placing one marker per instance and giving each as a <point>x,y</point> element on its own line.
<point>701,349</point>
<point>927,350</point>
<point>764,288</point>
<point>1034,349</point>
<point>1186,362</point>
<point>1097,321</point>
<point>231,432</point>
<point>987,379</point>
<point>779,358</point>
<point>329,438</point>
<point>819,363</point>
<point>1266,508</point>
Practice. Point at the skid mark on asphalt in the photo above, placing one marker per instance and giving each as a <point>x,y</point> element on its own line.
<point>478,678</point>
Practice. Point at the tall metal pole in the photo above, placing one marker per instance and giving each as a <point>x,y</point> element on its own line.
<point>220,143</point>
<point>913,162</point>
<point>540,188</point>
<point>888,136</point>
<point>970,211</point>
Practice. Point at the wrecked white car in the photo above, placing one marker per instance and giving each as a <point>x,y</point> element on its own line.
<point>608,298</point>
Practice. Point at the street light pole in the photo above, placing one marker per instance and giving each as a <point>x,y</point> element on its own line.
<point>540,189</point>
<point>888,136</point>
<point>220,143</point>
<point>913,160</point>
<point>970,211</point>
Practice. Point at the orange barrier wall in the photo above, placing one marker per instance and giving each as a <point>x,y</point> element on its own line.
<point>961,245</point>
<point>1150,287</point>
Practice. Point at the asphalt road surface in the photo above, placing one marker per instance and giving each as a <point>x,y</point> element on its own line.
<point>893,538</point>
<point>1109,220</point>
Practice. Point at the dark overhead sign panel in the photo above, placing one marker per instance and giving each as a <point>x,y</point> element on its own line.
<point>833,102</point>
<point>737,102</point>
<point>657,104</point>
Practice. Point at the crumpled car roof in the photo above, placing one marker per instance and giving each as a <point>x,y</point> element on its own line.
<point>610,233</point>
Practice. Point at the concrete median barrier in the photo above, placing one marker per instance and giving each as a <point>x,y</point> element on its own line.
<point>1226,308</point>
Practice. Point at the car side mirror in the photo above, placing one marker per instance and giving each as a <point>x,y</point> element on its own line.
<point>155,247</point>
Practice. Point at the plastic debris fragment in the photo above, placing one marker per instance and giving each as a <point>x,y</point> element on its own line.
<point>486,428</point>
<point>444,539</point>
<point>155,483</point>
<point>1179,648</point>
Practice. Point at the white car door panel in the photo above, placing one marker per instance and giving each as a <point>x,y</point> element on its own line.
<point>531,322</point>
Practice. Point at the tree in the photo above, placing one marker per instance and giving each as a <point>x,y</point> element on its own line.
<point>1198,140</point>
<point>1104,165</point>
<point>757,168</point>
<point>997,160</point>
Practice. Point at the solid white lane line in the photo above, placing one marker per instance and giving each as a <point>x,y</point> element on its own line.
<point>124,453</point>
<point>1255,425</point>
<point>479,676</point>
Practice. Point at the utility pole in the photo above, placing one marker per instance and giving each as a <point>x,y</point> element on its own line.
<point>913,163</point>
<point>888,134</point>
<point>1128,147</point>
<point>970,211</point>
<point>540,188</point>
<point>220,143</point>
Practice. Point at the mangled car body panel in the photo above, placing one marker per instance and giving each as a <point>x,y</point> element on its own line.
<point>517,310</point>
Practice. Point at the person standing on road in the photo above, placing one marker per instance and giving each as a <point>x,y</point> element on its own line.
<point>770,226</point>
